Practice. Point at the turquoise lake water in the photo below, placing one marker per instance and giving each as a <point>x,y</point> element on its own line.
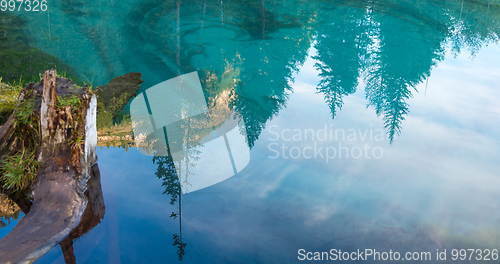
<point>332,124</point>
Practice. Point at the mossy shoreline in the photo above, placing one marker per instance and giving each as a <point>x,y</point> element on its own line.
<point>18,163</point>
<point>19,152</point>
<point>9,94</point>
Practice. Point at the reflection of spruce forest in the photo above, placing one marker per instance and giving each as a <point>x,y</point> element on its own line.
<point>391,44</point>
<point>247,53</point>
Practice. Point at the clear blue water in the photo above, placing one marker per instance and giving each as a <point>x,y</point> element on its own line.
<point>411,89</point>
<point>8,223</point>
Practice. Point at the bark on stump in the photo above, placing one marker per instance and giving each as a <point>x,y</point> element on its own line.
<point>66,165</point>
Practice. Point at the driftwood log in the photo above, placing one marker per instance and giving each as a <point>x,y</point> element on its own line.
<point>60,209</point>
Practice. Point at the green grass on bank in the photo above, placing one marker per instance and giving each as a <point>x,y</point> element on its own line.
<point>18,171</point>
<point>18,168</point>
<point>9,94</point>
<point>64,101</point>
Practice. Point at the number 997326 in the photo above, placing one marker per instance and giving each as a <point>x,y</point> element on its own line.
<point>24,5</point>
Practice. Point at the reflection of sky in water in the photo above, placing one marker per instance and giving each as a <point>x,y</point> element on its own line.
<point>10,223</point>
<point>437,185</point>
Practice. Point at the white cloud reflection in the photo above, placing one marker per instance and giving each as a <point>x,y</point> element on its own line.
<point>443,168</point>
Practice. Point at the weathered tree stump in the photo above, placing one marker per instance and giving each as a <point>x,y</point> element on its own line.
<point>67,161</point>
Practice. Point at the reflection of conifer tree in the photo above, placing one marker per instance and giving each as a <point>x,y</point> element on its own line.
<point>167,173</point>
<point>271,50</point>
<point>472,24</point>
<point>403,58</point>
<point>388,96</point>
<point>267,69</point>
<point>341,44</point>
<point>271,37</point>
<point>407,50</point>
